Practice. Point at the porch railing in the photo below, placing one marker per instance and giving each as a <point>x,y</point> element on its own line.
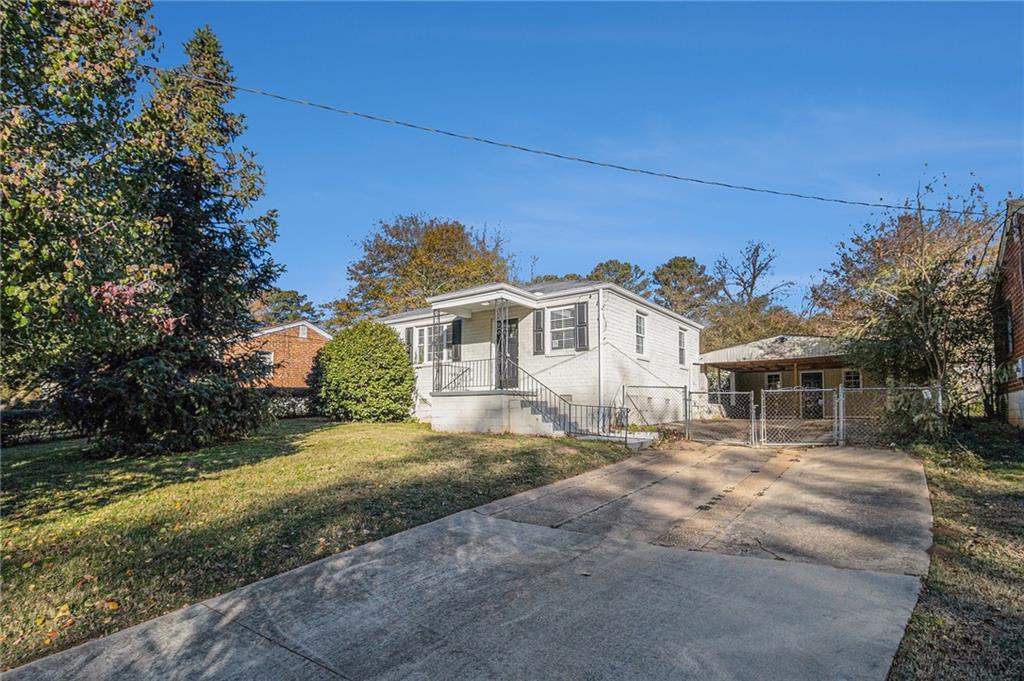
<point>473,374</point>
<point>568,417</point>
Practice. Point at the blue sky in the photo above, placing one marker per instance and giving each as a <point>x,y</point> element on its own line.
<point>860,101</point>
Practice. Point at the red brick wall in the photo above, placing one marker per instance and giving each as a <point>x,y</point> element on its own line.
<point>293,356</point>
<point>1013,291</point>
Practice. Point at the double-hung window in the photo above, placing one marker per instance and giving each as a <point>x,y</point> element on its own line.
<point>563,328</point>
<point>682,347</point>
<point>773,380</point>
<point>434,342</point>
<point>851,379</point>
<point>267,357</point>
<point>641,334</point>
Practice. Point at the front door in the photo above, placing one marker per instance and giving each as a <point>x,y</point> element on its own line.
<point>506,345</point>
<point>812,400</point>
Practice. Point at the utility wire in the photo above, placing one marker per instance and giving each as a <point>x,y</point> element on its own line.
<point>543,152</point>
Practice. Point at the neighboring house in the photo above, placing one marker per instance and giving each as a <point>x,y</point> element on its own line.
<point>783,362</point>
<point>547,358</point>
<point>1010,305</point>
<point>289,350</point>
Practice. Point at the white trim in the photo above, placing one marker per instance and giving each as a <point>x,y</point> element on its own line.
<point>860,377</point>
<point>551,349</point>
<point>532,300</point>
<point>775,373</point>
<point>292,325</point>
<point>637,316</point>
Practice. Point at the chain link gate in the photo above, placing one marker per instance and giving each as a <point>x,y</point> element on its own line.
<point>725,416</point>
<point>800,416</point>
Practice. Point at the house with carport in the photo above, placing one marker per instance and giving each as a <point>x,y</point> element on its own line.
<point>781,362</point>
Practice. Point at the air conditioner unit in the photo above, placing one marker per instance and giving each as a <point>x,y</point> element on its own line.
<point>1020,368</point>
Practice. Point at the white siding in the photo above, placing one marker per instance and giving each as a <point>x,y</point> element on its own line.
<point>573,372</point>
<point>568,372</point>
<point>659,365</point>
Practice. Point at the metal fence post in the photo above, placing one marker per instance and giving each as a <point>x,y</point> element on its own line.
<point>687,412</point>
<point>750,406</point>
<point>841,414</point>
<point>764,433</point>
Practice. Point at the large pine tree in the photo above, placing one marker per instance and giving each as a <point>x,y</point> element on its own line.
<point>187,389</point>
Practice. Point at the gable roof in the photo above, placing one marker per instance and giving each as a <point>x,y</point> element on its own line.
<point>775,348</point>
<point>535,296</point>
<point>408,314</point>
<point>291,325</point>
<point>557,285</point>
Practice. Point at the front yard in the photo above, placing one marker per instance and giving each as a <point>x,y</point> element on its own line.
<point>969,621</point>
<point>93,546</point>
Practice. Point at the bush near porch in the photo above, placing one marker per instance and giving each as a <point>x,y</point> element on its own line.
<point>92,546</point>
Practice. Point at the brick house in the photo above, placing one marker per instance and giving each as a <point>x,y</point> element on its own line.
<point>1009,302</point>
<point>290,350</point>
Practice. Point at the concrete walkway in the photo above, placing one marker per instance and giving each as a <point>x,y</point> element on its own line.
<point>573,581</point>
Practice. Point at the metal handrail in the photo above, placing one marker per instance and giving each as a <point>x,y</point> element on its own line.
<point>570,415</point>
<point>567,416</point>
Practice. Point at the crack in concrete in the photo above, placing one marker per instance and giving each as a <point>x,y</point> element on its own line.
<point>239,622</point>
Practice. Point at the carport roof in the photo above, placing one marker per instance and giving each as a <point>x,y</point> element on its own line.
<point>770,354</point>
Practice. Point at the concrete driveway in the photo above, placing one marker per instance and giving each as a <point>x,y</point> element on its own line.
<point>804,567</point>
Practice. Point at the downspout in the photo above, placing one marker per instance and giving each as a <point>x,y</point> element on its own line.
<point>600,342</point>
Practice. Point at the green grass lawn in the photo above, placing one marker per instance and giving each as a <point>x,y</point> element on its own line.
<point>93,546</point>
<point>969,621</point>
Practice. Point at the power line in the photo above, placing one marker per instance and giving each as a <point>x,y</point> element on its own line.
<point>550,154</point>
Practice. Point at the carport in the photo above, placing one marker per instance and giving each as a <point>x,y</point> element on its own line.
<point>791,382</point>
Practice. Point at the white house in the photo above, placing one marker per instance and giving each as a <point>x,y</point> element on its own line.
<point>548,358</point>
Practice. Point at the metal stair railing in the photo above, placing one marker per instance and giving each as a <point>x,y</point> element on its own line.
<point>569,417</point>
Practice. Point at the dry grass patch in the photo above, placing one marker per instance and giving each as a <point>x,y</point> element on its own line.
<point>969,621</point>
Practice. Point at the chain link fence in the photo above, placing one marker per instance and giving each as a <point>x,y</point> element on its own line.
<point>789,416</point>
<point>879,416</point>
<point>656,405</point>
<point>799,416</point>
<point>726,417</point>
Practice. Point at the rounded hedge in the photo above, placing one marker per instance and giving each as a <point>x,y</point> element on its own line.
<point>364,374</point>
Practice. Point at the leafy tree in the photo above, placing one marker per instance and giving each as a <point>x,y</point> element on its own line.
<point>684,286</point>
<point>413,257</point>
<point>541,278</point>
<point>625,274</point>
<point>337,314</point>
<point>748,307</point>
<point>912,297</point>
<point>731,323</point>
<point>278,306</point>
<point>188,387</point>
<point>79,264</point>
<point>364,374</point>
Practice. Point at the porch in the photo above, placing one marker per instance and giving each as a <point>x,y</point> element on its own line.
<point>474,343</point>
